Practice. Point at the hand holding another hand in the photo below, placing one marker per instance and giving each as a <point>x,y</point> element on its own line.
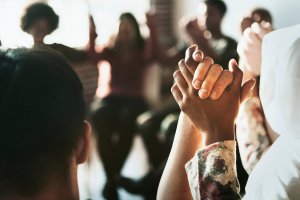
<point>214,117</point>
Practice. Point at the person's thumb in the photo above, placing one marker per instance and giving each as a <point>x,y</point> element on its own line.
<point>247,89</point>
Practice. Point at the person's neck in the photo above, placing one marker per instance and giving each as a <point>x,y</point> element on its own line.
<point>38,42</point>
<point>125,46</point>
<point>63,190</point>
<point>57,189</point>
<point>217,33</point>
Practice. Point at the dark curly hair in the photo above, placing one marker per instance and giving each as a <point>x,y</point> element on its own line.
<point>218,4</point>
<point>38,11</point>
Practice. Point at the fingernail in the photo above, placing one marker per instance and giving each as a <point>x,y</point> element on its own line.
<point>198,56</point>
<point>197,84</point>
<point>214,95</point>
<point>203,93</point>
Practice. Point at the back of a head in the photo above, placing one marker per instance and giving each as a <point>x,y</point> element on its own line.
<point>41,118</point>
<point>218,4</point>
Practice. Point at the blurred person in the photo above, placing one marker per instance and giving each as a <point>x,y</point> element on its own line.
<point>205,31</point>
<point>254,135</point>
<point>40,20</point>
<point>114,116</point>
<point>44,135</point>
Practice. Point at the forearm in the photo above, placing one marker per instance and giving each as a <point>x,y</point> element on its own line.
<point>252,134</point>
<point>152,44</point>
<point>174,184</point>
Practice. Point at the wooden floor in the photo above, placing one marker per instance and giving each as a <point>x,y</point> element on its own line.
<point>91,176</point>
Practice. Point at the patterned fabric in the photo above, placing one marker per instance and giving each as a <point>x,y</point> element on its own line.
<point>212,172</point>
<point>251,133</point>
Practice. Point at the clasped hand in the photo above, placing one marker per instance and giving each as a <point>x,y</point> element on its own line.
<point>209,95</point>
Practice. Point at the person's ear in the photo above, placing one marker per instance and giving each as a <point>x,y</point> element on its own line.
<point>84,144</point>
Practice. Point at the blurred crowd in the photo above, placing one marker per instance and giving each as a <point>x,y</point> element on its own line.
<point>41,113</point>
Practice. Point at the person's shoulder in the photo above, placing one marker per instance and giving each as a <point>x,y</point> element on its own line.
<point>58,46</point>
<point>74,55</point>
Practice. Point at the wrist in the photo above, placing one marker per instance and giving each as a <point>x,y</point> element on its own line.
<point>218,135</point>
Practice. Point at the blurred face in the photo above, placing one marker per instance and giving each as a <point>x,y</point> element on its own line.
<point>39,30</point>
<point>126,31</point>
<point>210,17</point>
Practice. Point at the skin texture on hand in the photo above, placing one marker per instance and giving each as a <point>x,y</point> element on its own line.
<point>209,78</point>
<point>214,119</point>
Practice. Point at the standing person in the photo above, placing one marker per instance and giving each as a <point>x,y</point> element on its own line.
<point>207,34</point>
<point>40,20</point>
<point>114,118</point>
<point>44,135</point>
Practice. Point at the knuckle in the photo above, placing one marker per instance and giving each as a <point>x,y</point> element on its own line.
<point>217,68</point>
<point>218,88</point>
<point>176,73</point>
<point>183,106</point>
<point>173,88</point>
<point>181,62</point>
<point>227,74</point>
<point>185,100</point>
<point>207,84</point>
<point>252,34</point>
<point>189,61</point>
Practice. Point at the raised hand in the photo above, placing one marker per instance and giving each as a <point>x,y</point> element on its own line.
<point>208,78</point>
<point>214,119</point>
<point>151,18</point>
<point>250,46</point>
<point>92,28</point>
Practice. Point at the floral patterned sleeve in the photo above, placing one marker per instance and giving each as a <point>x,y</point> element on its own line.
<point>212,172</point>
<point>251,133</point>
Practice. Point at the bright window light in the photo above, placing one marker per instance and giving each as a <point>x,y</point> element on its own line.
<point>73,21</point>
